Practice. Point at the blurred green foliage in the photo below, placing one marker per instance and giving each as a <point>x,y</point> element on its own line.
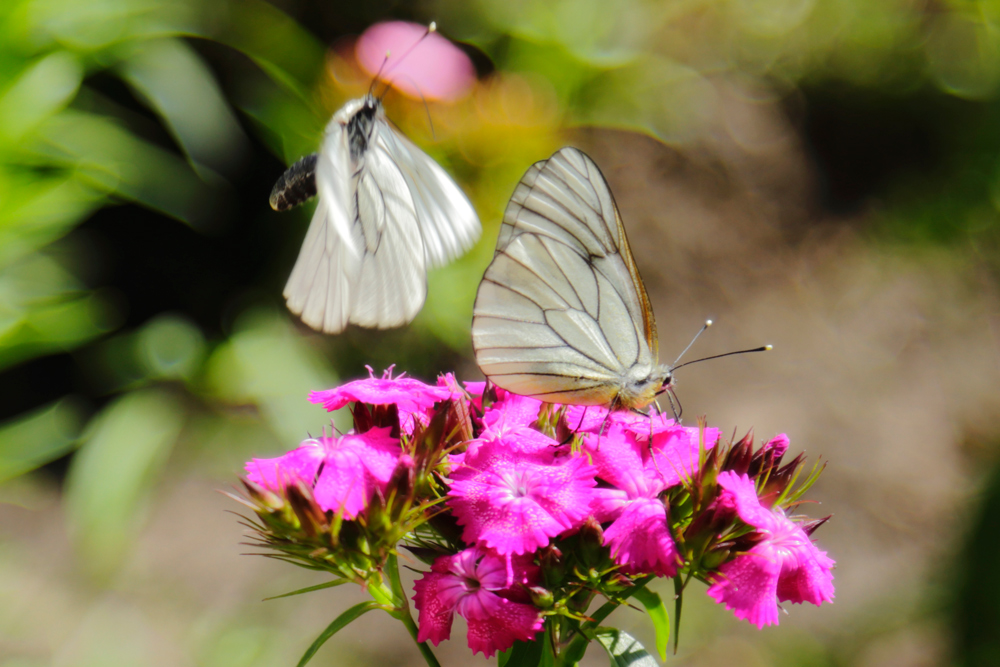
<point>159,109</point>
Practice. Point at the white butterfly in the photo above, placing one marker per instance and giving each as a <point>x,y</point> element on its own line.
<point>386,213</point>
<point>561,314</point>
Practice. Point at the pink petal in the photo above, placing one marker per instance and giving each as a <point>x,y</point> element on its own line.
<point>748,586</point>
<point>748,506</point>
<point>778,445</point>
<point>641,541</point>
<point>515,502</point>
<point>356,465</point>
<point>299,464</point>
<point>621,461</point>
<point>676,450</point>
<point>432,67</point>
<point>501,624</point>
<point>408,394</point>
<point>436,606</point>
<point>806,576</point>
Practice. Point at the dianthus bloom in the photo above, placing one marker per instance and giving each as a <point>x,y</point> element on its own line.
<point>528,513</point>
<point>350,469</point>
<point>412,398</point>
<point>474,584</point>
<point>784,566</point>
<point>638,473</point>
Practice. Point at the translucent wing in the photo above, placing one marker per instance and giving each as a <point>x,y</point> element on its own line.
<point>561,313</point>
<point>448,223</point>
<point>372,274</point>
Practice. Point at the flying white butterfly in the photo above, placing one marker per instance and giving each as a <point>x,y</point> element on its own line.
<point>386,213</point>
<point>561,313</point>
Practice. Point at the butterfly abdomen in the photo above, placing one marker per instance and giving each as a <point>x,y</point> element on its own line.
<point>296,186</point>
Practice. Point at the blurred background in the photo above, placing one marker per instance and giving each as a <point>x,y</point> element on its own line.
<point>820,175</point>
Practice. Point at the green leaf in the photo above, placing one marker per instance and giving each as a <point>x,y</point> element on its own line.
<point>111,475</point>
<point>35,439</point>
<point>107,156</point>
<point>289,54</point>
<point>181,89</point>
<point>522,654</point>
<point>46,86</point>
<point>338,624</point>
<point>624,649</point>
<point>309,589</point>
<point>658,615</point>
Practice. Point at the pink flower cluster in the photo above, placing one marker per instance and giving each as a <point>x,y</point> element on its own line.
<point>532,475</point>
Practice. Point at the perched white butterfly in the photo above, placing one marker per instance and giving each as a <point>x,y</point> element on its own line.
<point>561,313</point>
<point>386,213</point>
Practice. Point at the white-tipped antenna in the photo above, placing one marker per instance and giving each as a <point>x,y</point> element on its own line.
<point>762,348</point>
<point>378,74</point>
<point>706,325</point>
<point>431,27</point>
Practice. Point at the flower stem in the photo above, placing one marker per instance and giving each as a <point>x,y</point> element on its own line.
<point>402,606</point>
<point>574,651</point>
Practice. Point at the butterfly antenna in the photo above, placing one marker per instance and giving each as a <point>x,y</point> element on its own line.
<point>762,348</point>
<point>431,27</point>
<point>381,67</point>
<point>704,326</point>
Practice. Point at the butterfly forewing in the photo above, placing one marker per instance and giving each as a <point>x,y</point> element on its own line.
<point>448,223</point>
<point>559,311</point>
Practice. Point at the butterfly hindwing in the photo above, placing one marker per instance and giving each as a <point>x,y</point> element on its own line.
<point>559,315</point>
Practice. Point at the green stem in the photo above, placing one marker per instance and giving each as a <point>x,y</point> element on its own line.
<point>402,606</point>
<point>574,651</point>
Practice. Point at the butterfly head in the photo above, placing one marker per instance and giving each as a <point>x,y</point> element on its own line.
<point>638,392</point>
<point>359,119</point>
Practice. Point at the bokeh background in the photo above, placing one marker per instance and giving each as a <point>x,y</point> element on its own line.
<point>822,175</point>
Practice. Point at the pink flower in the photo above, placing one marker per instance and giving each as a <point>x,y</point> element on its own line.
<point>350,469</point>
<point>639,535</point>
<point>408,394</point>
<point>434,69</point>
<point>784,566</point>
<point>473,583</point>
<point>515,500</point>
<point>412,398</point>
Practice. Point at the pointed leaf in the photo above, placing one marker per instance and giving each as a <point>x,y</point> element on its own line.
<point>658,615</point>
<point>308,589</point>
<point>338,624</point>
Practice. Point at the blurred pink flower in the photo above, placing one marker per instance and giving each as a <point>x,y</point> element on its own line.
<point>784,566</point>
<point>435,68</point>
<point>353,467</point>
<point>474,584</point>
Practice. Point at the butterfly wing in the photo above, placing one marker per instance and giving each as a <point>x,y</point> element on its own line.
<point>561,313</point>
<point>362,261</point>
<point>448,223</point>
